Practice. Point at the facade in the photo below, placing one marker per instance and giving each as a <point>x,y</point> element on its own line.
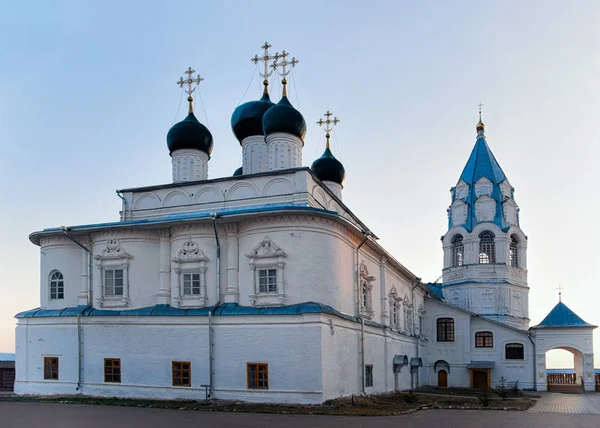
<point>264,286</point>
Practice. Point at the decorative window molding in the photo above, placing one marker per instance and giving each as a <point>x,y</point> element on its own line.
<point>395,309</point>
<point>266,264</point>
<point>458,251</point>
<point>190,267</point>
<point>366,292</point>
<point>487,248</point>
<point>113,265</point>
<point>408,317</point>
<point>56,285</point>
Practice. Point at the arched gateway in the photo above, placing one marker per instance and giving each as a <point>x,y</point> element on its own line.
<point>563,329</point>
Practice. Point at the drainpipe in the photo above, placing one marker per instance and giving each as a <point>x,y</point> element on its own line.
<point>362,321</point>
<point>412,292</point>
<point>124,206</point>
<point>534,362</point>
<point>65,230</point>
<point>211,336</point>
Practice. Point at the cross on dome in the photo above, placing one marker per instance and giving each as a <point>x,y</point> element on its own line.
<point>480,126</point>
<point>265,58</point>
<point>284,64</point>
<point>328,123</point>
<point>190,85</point>
<point>560,288</point>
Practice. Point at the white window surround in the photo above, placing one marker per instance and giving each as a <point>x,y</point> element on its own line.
<point>267,256</point>
<point>56,286</point>
<point>366,290</point>
<point>395,309</point>
<point>190,262</point>
<point>113,257</point>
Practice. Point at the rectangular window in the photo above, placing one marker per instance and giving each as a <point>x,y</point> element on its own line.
<point>113,282</point>
<point>51,368</point>
<point>182,373</point>
<point>368,375</point>
<point>484,339</point>
<point>112,370</point>
<point>445,330</point>
<point>191,284</point>
<point>267,280</point>
<point>257,375</point>
<point>515,351</point>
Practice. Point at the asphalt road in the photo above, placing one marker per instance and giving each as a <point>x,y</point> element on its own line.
<point>45,415</point>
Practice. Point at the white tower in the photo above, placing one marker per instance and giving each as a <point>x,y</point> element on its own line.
<point>485,250</point>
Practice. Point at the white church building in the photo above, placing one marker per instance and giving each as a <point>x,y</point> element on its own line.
<point>264,286</point>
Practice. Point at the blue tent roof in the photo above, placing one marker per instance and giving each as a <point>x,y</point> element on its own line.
<point>481,163</point>
<point>562,316</point>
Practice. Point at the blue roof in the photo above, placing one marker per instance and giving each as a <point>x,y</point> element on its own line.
<point>225,309</point>
<point>436,290</point>
<point>562,316</point>
<point>481,163</point>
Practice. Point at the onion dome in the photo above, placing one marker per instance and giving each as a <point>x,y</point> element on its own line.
<point>283,117</point>
<point>246,119</point>
<point>238,172</point>
<point>190,134</point>
<point>328,168</point>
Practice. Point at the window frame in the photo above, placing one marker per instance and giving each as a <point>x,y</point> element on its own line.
<point>445,330</point>
<point>487,248</point>
<point>113,258</point>
<point>481,339</point>
<point>368,375</point>
<point>458,251</point>
<point>58,283</point>
<point>514,345</point>
<point>195,283</point>
<point>113,278</point>
<point>267,255</point>
<point>51,370</point>
<point>259,368</point>
<point>271,280</point>
<point>178,372</point>
<point>513,252</point>
<point>112,371</point>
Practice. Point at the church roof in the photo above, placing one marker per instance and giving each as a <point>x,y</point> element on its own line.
<point>481,164</point>
<point>562,316</point>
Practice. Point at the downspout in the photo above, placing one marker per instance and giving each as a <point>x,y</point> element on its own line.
<point>211,336</point>
<point>412,292</point>
<point>534,362</point>
<point>124,205</point>
<point>65,230</point>
<point>362,321</point>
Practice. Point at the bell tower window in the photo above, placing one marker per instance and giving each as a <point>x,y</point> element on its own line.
<point>487,248</point>
<point>458,251</point>
<point>514,251</point>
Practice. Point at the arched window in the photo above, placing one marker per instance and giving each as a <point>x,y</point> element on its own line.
<point>515,351</point>
<point>487,249</point>
<point>484,339</point>
<point>365,295</point>
<point>458,251</point>
<point>445,330</point>
<point>57,286</point>
<point>396,314</point>
<point>514,251</point>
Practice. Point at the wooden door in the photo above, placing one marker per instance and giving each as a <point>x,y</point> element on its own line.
<point>480,379</point>
<point>443,379</point>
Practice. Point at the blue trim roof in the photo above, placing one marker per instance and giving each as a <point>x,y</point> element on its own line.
<point>481,163</point>
<point>225,309</point>
<point>436,290</point>
<point>562,316</point>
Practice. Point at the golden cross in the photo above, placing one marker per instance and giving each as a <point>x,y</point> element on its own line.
<point>480,105</point>
<point>190,85</point>
<point>560,289</point>
<point>329,124</point>
<point>283,64</point>
<point>265,58</point>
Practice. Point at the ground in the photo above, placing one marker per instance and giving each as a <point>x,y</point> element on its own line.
<point>49,415</point>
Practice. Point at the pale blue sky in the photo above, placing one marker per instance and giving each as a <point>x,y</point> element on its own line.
<point>87,95</point>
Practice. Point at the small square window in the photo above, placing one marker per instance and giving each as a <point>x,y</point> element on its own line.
<point>191,284</point>
<point>112,370</point>
<point>257,375</point>
<point>267,280</point>
<point>369,375</point>
<point>182,373</point>
<point>113,282</point>
<point>51,368</point>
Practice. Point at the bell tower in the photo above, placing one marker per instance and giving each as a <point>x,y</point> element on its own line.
<point>485,250</point>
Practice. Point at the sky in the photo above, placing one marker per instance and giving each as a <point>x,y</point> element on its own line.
<point>88,93</point>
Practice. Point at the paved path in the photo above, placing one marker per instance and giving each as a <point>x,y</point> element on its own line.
<point>45,415</point>
<point>552,402</point>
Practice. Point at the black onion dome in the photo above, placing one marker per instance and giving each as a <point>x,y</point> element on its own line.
<point>238,172</point>
<point>283,117</point>
<point>189,134</point>
<point>328,168</point>
<point>246,119</point>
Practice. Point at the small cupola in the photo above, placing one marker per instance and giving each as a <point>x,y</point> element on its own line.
<point>327,168</point>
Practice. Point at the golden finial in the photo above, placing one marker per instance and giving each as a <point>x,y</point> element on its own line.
<point>190,86</point>
<point>265,58</point>
<point>329,124</point>
<point>480,126</point>
<point>560,289</point>
<point>283,64</point>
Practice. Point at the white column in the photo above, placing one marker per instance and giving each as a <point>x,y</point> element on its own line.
<point>382,291</point>
<point>232,290</point>
<point>254,151</point>
<point>284,151</point>
<point>189,165</point>
<point>83,295</point>
<point>164,268</point>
